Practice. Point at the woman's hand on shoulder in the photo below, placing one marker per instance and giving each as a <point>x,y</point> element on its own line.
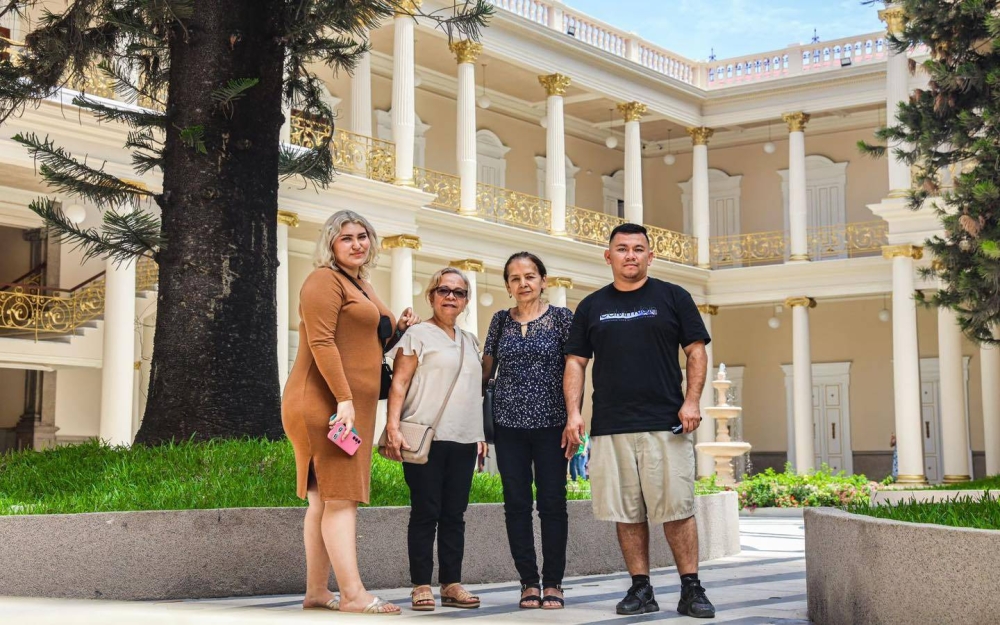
<point>407,319</point>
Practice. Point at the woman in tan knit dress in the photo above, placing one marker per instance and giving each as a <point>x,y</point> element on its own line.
<point>337,372</point>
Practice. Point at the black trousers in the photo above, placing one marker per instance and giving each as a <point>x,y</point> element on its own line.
<point>519,450</point>
<point>439,496</point>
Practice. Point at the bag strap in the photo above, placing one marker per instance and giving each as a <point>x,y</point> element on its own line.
<point>461,361</point>
<point>496,345</point>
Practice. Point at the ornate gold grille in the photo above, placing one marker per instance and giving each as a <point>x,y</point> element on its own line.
<point>512,207</point>
<point>42,311</point>
<point>849,240</point>
<point>755,248</point>
<point>352,153</point>
<point>673,246</point>
<point>590,226</point>
<point>446,188</point>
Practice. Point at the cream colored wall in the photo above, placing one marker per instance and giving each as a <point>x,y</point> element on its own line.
<point>840,331</point>
<point>760,200</point>
<point>11,396</point>
<point>15,261</point>
<point>78,402</point>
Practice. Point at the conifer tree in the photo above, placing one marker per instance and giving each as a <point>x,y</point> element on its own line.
<point>950,132</point>
<point>205,81</point>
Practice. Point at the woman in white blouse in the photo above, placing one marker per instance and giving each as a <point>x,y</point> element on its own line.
<point>426,362</point>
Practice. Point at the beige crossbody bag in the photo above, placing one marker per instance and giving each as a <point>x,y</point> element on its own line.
<point>418,437</point>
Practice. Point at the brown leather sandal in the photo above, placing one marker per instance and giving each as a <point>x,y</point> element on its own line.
<point>529,602</point>
<point>551,601</point>
<point>462,599</point>
<point>422,600</point>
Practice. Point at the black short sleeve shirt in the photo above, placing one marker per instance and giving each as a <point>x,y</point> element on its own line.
<point>634,338</point>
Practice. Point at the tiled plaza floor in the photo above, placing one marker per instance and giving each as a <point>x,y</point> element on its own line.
<point>764,584</point>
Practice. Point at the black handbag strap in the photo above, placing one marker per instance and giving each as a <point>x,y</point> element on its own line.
<point>496,345</point>
<point>363,292</point>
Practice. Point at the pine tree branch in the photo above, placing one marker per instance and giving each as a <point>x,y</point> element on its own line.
<point>60,170</point>
<point>133,118</point>
<point>123,237</point>
<point>313,165</point>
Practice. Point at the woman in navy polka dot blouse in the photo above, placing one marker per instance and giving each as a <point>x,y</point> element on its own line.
<point>530,414</point>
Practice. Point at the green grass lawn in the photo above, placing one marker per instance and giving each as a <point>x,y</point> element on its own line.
<point>219,474</point>
<point>966,511</point>
<point>986,483</point>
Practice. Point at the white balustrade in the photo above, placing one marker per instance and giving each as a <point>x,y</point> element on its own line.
<point>531,10</point>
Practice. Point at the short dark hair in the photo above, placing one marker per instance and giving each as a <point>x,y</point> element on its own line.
<point>539,265</point>
<point>629,228</point>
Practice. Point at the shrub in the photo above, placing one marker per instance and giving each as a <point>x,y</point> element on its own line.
<point>791,490</point>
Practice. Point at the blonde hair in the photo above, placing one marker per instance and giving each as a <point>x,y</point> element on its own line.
<point>435,282</point>
<point>323,257</point>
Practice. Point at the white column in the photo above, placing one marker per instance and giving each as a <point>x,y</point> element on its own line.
<point>954,429</point>
<point>401,280</point>
<point>990,372</point>
<point>798,216</point>
<point>706,431</point>
<point>700,223</point>
<point>632,112</point>
<point>555,150</point>
<point>117,374</point>
<point>469,320</point>
<point>403,98</point>
<point>802,404</point>
<point>558,289</point>
<point>897,75</point>
<point>286,220</point>
<point>906,364</point>
<point>361,96</point>
<point>466,53</point>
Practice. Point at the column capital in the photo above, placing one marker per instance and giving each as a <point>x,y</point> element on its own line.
<point>808,302</point>
<point>916,252</point>
<point>468,264</point>
<point>708,309</point>
<point>632,111</point>
<point>796,121</point>
<point>557,281</point>
<point>894,18</point>
<point>288,218</point>
<point>555,84</point>
<point>466,50</point>
<point>700,134</point>
<point>408,241</point>
<point>406,8</point>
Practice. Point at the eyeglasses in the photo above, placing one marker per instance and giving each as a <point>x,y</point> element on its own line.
<point>444,291</point>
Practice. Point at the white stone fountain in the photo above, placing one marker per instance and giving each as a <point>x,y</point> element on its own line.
<point>723,449</point>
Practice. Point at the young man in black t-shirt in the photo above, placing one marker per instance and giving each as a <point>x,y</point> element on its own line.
<point>642,464</point>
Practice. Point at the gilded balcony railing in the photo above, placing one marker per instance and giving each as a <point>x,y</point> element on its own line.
<point>352,153</point>
<point>673,246</point>
<point>754,248</point>
<point>848,240</point>
<point>590,226</point>
<point>45,311</point>
<point>513,208</point>
<point>446,188</point>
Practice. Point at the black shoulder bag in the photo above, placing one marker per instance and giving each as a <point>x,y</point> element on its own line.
<point>384,334</point>
<point>489,425</point>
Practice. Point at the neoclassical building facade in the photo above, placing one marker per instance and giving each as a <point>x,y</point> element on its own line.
<point>543,136</point>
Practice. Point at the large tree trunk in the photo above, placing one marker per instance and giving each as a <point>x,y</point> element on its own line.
<point>214,369</point>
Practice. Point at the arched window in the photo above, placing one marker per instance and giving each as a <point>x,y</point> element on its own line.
<point>729,71</point>
<point>805,58</point>
<point>836,53</point>
<point>767,65</point>
<point>571,171</point>
<point>826,55</point>
<point>739,69</point>
<point>491,159</point>
<point>879,46</point>
<point>868,47</point>
<point>784,63</point>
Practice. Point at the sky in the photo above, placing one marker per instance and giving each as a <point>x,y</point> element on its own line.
<point>733,27</point>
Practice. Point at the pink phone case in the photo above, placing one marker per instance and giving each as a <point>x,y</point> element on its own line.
<point>348,441</point>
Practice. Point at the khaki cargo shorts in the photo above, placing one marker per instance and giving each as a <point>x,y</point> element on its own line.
<point>640,477</point>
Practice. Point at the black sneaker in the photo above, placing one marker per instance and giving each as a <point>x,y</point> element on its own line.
<point>638,600</point>
<point>694,602</point>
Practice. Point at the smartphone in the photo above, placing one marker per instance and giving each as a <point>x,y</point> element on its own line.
<point>348,441</point>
